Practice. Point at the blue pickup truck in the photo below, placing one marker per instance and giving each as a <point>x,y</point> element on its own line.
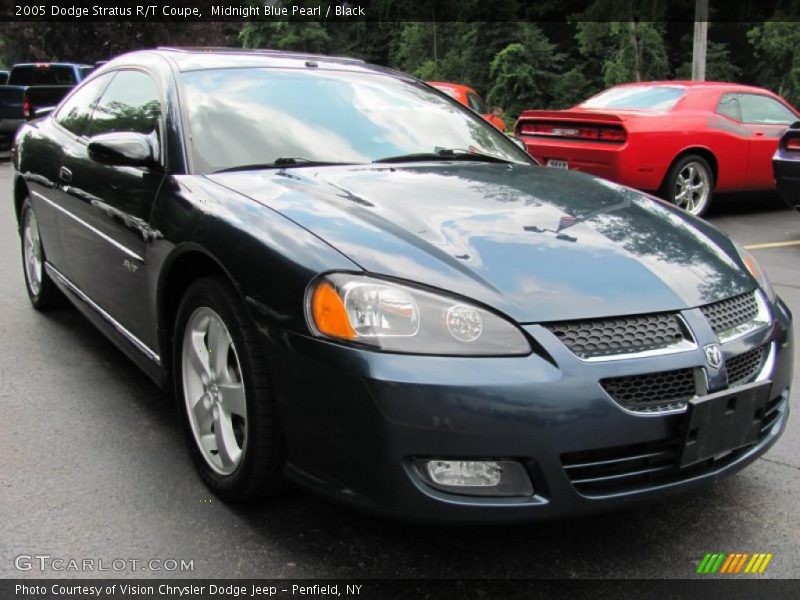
<point>32,88</point>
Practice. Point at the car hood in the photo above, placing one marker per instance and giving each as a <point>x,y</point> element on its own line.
<point>538,244</point>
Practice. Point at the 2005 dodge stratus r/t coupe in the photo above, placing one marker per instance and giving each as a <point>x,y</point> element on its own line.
<point>354,282</point>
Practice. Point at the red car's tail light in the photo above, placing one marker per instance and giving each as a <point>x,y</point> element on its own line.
<point>579,131</point>
<point>793,143</point>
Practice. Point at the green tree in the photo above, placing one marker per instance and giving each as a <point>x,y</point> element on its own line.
<point>627,50</point>
<point>718,65</point>
<point>524,73</point>
<point>302,36</point>
<point>777,46</point>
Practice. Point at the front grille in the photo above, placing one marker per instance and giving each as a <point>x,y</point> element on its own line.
<point>745,367</point>
<point>652,392</point>
<point>604,337</point>
<point>638,467</point>
<point>731,313</point>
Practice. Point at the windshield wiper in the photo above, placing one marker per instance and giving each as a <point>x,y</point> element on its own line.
<point>283,162</point>
<point>444,154</point>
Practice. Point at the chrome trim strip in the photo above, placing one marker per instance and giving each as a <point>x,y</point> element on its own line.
<point>91,228</point>
<point>769,364</point>
<point>139,344</point>
<point>685,345</point>
<point>762,319</point>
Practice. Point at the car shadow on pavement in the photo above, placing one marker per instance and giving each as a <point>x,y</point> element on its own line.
<point>745,203</point>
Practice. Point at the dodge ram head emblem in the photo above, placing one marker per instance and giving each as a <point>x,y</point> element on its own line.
<point>713,356</point>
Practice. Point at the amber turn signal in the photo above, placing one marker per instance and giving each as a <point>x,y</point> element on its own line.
<point>329,314</point>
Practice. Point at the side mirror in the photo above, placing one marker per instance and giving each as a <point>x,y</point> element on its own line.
<point>122,149</point>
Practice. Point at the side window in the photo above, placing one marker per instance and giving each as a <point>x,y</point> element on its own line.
<point>765,110</point>
<point>476,104</point>
<point>74,114</point>
<point>130,103</point>
<point>730,106</point>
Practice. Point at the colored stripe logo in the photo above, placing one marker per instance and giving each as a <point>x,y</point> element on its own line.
<point>734,563</point>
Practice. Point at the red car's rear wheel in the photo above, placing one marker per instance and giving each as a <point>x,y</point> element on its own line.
<point>690,184</point>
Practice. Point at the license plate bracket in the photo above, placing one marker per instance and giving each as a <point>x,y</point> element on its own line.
<point>723,421</point>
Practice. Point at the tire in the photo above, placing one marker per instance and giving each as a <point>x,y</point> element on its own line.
<point>692,176</point>
<point>42,291</point>
<point>220,372</point>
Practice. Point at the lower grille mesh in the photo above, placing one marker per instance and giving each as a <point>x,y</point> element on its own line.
<point>636,467</point>
<point>652,392</point>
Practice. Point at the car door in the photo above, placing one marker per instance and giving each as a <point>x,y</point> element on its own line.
<point>766,119</point>
<point>59,137</point>
<point>106,244</point>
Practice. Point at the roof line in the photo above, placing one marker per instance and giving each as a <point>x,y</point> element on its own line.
<point>267,51</point>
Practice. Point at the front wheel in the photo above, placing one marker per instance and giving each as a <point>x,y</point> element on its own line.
<point>690,184</point>
<point>222,386</point>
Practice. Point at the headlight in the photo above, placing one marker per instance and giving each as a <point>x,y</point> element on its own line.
<point>756,271</point>
<point>400,318</point>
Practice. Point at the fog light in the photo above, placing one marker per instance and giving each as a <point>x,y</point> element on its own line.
<point>477,477</point>
<point>465,473</point>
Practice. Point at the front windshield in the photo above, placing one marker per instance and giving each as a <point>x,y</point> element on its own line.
<point>248,116</point>
<point>637,97</point>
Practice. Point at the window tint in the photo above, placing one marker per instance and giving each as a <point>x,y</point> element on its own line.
<point>75,112</point>
<point>640,97</point>
<point>476,104</point>
<point>85,71</point>
<point>765,110</point>
<point>130,103</point>
<point>42,75</point>
<point>730,106</point>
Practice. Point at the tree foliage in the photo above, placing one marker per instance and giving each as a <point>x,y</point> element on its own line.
<point>515,63</point>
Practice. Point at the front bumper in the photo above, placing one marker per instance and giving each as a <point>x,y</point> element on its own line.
<point>354,420</point>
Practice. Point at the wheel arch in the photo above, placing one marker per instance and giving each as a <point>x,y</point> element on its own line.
<point>701,151</point>
<point>20,193</point>
<point>184,266</point>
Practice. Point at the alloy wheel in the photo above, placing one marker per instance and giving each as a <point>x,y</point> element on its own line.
<point>692,188</point>
<point>213,390</point>
<point>32,252</point>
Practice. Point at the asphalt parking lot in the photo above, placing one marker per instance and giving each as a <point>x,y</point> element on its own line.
<point>94,466</point>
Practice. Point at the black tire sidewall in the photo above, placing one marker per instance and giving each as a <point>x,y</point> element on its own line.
<point>216,294</point>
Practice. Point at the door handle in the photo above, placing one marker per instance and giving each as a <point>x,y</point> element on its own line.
<point>65,175</point>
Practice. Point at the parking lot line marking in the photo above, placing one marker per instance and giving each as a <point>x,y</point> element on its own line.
<point>772,245</point>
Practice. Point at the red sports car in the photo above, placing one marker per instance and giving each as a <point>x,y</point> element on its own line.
<point>469,97</point>
<point>681,139</point>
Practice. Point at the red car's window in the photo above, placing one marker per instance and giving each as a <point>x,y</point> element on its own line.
<point>730,106</point>
<point>764,110</point>
<point>476,104</point>
<point>637,97</point>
